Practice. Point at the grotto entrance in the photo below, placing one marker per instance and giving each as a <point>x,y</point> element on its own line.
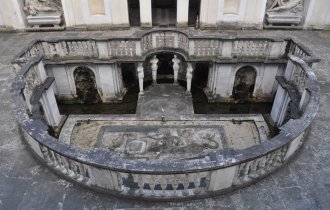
<point>165,72</point>
<point>86,88</point>
<point>243,89</point>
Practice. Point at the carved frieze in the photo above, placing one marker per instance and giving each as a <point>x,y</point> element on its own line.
<point>43,12</point>
<point>284,12</point>
<point>250,48</point>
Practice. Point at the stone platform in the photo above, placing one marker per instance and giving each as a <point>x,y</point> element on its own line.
<point>166,100</point>
<point>302,184</point>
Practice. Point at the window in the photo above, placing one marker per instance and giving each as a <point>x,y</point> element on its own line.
<point>96,7</point>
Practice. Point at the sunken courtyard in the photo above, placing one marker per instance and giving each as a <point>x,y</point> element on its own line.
<point>164,104</point>
<point>157,142</point>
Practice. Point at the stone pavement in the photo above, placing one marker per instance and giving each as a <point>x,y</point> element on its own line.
<point>302,184</point>
<point>164,99</point>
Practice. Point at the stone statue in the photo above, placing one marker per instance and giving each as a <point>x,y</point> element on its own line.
<point>284,12</point>
<point>176,61</point>
<point>34,7</point>
<point>140,72</point>
<point>285,5</point>
<point>189,77</point>
<point>154,67</point>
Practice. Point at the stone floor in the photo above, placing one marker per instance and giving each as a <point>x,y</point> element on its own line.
<point>302,184</point>
<point>166,100</point>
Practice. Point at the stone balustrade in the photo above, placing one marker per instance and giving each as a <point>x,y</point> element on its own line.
<point>193,48</point>
<point>108,172</point>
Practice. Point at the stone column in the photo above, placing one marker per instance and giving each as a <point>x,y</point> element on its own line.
<point>182,12</point>
<point>154,67</point>
<point>119,9</point>
<point>176,66</point>
<point>189,77</point>
<point>140,72</point>
<point>145,13</point>
<point>208,14</point>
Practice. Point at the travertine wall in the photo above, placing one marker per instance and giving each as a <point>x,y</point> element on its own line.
<point>101,12</point>
<point>224,76</point>
<point>108,80</point>
<point>318,15</point>
<point>220,14</point>
<point>11,14</point>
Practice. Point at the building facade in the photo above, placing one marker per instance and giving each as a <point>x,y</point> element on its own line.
<point>203,14</point>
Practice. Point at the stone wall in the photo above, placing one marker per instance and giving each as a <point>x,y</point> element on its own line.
<point>220,14</point>
<point>108,80</point>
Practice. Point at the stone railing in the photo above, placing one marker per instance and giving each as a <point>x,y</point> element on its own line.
<point>108,172</point>
<point>193,48</point>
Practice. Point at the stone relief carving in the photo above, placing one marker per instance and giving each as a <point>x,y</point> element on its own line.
<point>284,11</point>
<point>34,7</point>
<point>285,5</point>
<point>165,143</point>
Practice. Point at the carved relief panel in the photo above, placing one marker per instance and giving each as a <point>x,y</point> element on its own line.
<point>284,12</point>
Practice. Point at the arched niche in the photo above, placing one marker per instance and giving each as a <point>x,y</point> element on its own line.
<point>86,88</point>
<point>244,84</point>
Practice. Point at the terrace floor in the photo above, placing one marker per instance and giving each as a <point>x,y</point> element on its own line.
<point>301,184</point>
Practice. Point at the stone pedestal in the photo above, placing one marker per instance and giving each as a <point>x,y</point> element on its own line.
<point>283,19</point>
<point>45,19</point>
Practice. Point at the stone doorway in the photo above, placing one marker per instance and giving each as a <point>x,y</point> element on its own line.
<point>245,79</point>
<point>201,74</point>
<point>193,16</point>
<point>165,72</point>
<point>128,71</point>
<point>134,12</point>
<point>164,13</point>
<point>86,88</point>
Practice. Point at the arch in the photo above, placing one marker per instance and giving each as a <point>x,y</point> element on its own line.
<point>244,84</point>
<point>165,71</point>
<point>176,51</point>
<point>86,88</point>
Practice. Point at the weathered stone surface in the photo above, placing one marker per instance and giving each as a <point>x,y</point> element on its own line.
<point>301,184</point>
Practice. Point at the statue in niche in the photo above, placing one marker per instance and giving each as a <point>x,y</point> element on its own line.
<point>285,5</point>
<point>34,7</point>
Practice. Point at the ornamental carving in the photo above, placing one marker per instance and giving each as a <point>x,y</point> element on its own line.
<point>293,6</point>
<point>34,7</point>
<point>284,12</point>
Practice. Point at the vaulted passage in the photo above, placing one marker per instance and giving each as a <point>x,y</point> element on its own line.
<point>86,86</point>
<point>245,79</point>
<point>165,72</point>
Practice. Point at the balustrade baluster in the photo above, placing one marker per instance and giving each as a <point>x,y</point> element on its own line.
<point>45,153</point>
<point>141,184</point>
<point>185,182</point>
<point>197,182</point>
<point>163,184</point>
<point>262,166</point>
<point>254,165</point>
<point>246,171</point>
<point>175,184</point>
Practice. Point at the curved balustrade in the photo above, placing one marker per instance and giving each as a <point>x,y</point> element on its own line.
<point>106,171</point>
<point>193,47</point>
